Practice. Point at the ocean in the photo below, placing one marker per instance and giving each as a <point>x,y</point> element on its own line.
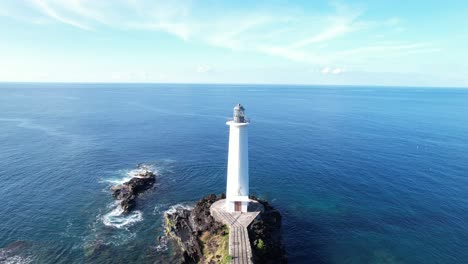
<point>360,174</point>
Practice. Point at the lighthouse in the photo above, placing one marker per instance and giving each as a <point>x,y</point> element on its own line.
<point>237,189</point>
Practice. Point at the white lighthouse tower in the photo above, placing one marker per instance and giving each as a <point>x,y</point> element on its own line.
<point>237,190</point>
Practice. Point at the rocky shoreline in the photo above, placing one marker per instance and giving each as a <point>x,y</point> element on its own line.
<point>203,240</point>
<point>265,236</point>
<point>127,192</point>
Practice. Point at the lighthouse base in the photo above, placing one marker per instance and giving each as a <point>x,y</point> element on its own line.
<point>237,204</point>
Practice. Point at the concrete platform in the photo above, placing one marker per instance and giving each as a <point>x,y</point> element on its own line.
<point>239,243</point>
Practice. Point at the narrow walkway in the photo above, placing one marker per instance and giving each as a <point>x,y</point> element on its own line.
<point>239,243</point>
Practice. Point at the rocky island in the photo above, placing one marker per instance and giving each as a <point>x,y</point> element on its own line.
<point>202,239</point>
<point>233,228</point>
<point>127,192</point>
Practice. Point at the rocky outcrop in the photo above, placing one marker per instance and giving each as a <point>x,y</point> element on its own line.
<point>265,236</point>
<point>188,226</point>
<point>200,217</point>
<point>127,192</point>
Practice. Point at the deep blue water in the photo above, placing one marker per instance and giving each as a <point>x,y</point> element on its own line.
<point>360,174</point>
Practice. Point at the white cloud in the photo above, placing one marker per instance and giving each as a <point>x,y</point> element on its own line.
<point>337,71</point>
<point>328,34</point>
<point>329,70</point>
<point>384,49</point>
<point>267,32</point>
<point>285,33</point>
<point>125,14</point>
<point>283,52</point>
<point>49,11</point>
<point>180,30</point>
<point>326,70</point>
<point>231,33</point>
<point>203,69</point>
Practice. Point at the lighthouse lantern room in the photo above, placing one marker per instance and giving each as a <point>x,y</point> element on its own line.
<point>237,190</point>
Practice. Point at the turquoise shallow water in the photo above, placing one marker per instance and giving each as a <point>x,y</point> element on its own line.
<point>361,174</point>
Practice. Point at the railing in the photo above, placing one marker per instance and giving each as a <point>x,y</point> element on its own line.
<point>246,120</point>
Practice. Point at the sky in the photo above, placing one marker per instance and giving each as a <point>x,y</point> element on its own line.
<point>372,42</point>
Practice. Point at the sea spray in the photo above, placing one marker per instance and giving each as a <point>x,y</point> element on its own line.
<point>173,208</point>
<point>126,188</point>
<point>116,217</point>
<point>126,193</point>
<point>126,175</point>
<point>16,253</point>
<point>163,240</point>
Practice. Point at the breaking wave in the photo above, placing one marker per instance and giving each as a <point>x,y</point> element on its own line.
<point>6,258</point>
<point>162,246</point>
<point>116,218</point>
<point>163,240</point>
<point>126,175</point>
<point>175,207</point>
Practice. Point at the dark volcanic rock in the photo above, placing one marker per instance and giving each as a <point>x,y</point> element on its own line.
<point>265,236</point>
<point>127,192</point>
<point>186,227</point>
<point>200,217</point>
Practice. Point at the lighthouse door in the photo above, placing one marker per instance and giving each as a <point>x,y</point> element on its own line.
<point>237,206</point>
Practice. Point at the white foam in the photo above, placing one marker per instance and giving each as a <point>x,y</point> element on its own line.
<point>162,244</point>
<point>136,172</point>
<point>159,208</point>
<point>14,259</point>
<point>126,175</point>
<point>118,181</point>
<point>174,208</point>
<point>116,218</point>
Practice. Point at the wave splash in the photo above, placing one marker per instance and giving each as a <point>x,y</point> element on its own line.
<point>116,218</point>
<point>126,175</point>
<point>176,207</point>
<point>12,255</point>
<point>163,240</point>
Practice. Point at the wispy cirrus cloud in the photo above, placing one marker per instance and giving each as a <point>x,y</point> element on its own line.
<point>180,30</point>
<point>388,49</point>
<point>328,34</point>
<point>235,33</point>
<point>283,33</point>
<point>45,8</point>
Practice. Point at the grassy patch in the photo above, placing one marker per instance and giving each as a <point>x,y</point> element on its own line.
<point>216,246</point>
<point>227,259</point>
<point>260,244</point>
<point>168,224</point>
<point>169,227</point>
<point>259,248</point>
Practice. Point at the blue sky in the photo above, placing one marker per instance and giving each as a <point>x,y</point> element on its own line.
<point>414,43</point>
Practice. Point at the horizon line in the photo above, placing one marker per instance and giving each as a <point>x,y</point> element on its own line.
<point>240,84</point>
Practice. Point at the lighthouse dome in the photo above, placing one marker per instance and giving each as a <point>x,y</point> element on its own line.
<point>239,116</point>
<point>239,107</point>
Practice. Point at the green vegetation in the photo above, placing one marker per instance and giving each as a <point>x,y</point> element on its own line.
<point>169,231</point>
<point>168,224</point>
<point>227,259</point>
<point>215,246</point>
<point>260,244</point>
